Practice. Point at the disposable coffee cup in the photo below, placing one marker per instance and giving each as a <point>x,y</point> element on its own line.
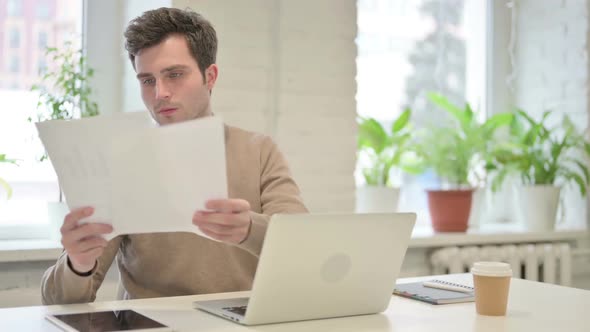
<point>492,285</point>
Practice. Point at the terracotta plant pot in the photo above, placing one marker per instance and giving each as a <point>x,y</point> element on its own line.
<point>449,209</point>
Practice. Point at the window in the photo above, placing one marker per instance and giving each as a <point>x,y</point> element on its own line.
<point>34,183</point>
<point>41,65</point>
<point>14,8</point>
<point>42,41</point>
<point>400,48</point>
<point>406,49</point>
<point>14,64</point>
<point>14,38</point>
<point>42,10</point>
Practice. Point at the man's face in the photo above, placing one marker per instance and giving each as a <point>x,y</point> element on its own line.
<point>171,82</point>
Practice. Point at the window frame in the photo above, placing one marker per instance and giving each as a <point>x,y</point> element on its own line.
<point>14,8</point>
<point>42,229</point>
<point>103,46</point>
<point>478,97</point>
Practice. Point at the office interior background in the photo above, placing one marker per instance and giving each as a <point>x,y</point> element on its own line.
<point>302,72</point>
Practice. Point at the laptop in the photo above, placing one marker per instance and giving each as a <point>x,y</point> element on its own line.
<point>316,266</point>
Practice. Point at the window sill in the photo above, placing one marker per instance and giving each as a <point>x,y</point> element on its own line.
<point>425,237</point>
<point>422,237</point>
<point>29,250</point>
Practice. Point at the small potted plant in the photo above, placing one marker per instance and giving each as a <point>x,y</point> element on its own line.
<point>380,151</point>
<point>544,159</point>
<point>64,92</point>
<point>457,153</point>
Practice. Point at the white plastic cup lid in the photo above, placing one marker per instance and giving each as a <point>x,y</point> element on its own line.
<point>491,269</point>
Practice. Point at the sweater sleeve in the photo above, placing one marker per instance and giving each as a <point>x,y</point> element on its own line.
<point>279,194</point>
<point>61,285</point>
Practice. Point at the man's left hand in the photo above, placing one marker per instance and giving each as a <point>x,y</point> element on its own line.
<point>227,220</point>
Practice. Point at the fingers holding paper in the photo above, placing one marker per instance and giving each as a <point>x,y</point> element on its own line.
<point>83,242</point>
<point>227,220</point>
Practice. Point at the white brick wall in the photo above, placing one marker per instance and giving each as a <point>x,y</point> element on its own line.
<point>551,56</point>
<point>287,69</point>
<point>551,70</point>
<point>552,73</point>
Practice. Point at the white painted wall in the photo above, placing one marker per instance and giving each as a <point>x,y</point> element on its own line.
<point>131,98</point>
<point>551,72</point>
<point>551,61</point>
<point>287,69</point>
<point>102,39</point>
<point>548,70</point>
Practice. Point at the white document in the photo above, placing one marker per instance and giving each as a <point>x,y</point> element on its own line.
<point>139,177</point>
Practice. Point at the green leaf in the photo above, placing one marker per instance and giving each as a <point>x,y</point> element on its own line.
<point>545,116</point>
<point>469,114</point>
<point>444,103</point>
<point>372,176</point>
<point>401,121</point>
<point>498,120</point>
<point>516,126</point>
<point>557,148</point>
<point>582,186</point>
<point>4,159</point>
<point>6,187</point>
<point>584,169</point>
<point>524,115</point>
<point>371,135</point>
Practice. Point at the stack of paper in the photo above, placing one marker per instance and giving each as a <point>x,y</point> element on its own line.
<point>139,177</point>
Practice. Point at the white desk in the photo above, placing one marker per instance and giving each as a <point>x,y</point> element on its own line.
<point>532,307</point>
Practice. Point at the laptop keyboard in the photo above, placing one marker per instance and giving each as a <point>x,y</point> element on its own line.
<point>237,310</point>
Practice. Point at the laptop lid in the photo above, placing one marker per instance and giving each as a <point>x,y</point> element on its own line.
<point>328,265</point>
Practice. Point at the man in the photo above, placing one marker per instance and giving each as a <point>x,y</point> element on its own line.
<point>173,52</point>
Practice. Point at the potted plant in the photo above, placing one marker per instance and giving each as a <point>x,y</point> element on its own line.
<point>457,153</point>
<point>3,182</point>
<point>64,92</point>
<point>545,159</point>
<point>381,151</point>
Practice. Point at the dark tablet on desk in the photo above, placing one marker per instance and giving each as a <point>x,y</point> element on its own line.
<point>122,320</point>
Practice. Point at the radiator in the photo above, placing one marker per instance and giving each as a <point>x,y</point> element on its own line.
<point>545,262</point>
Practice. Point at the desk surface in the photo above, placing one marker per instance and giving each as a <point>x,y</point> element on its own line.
<point>532,306</point>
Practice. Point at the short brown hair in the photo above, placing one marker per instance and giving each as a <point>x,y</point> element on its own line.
<point>153,26</point>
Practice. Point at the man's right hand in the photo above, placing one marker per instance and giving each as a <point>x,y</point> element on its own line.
<point>83,243</point>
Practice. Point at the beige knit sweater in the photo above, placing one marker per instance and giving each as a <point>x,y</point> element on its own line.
<point>171,264</point>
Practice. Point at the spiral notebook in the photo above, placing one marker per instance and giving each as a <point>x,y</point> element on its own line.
<point>417,291</point>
